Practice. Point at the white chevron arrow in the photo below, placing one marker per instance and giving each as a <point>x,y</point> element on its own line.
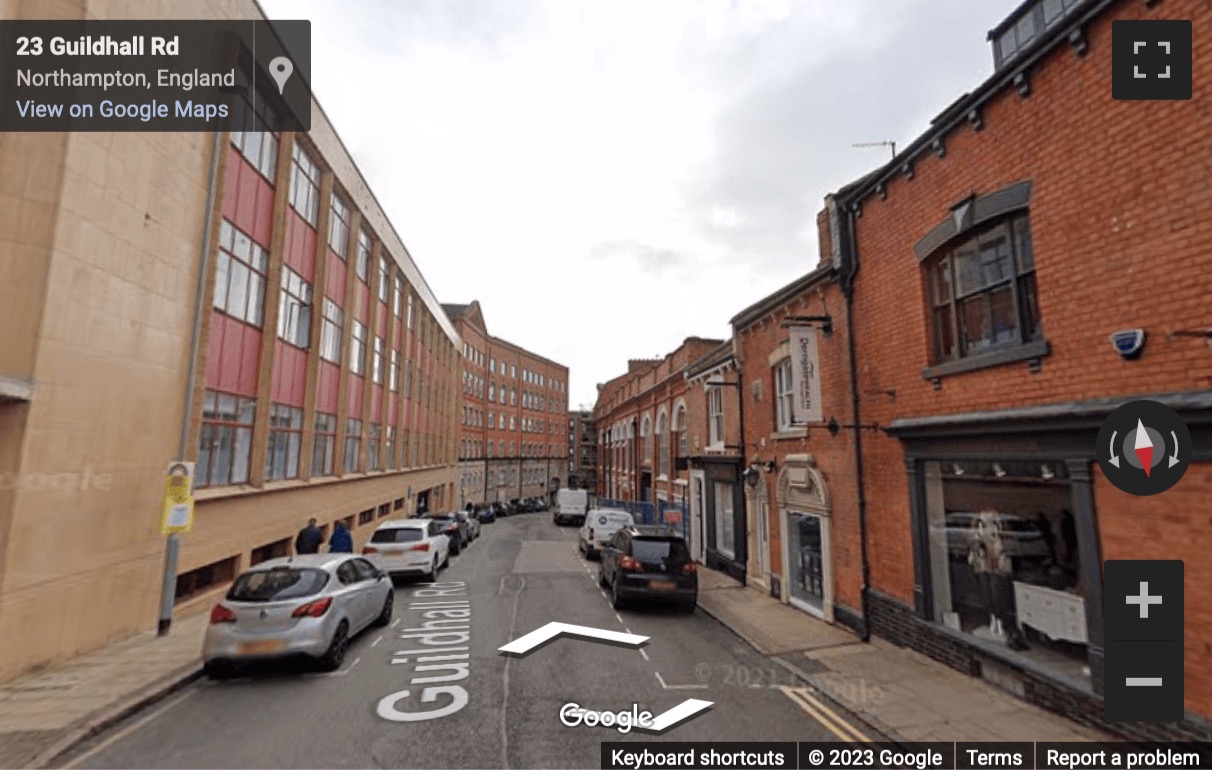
<point>525,644</point>
<point>679,713</point>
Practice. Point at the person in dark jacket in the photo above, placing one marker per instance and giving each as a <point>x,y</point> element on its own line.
<point>310,538</point>
<point>341,541</point>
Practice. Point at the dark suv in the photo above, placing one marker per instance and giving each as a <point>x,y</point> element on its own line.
<point>456,528</point>
<point>645,562</point>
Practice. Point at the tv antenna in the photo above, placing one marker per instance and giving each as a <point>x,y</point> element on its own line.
<point>878,144</point>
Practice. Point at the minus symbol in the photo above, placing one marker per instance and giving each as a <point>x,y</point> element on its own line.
<point>1144,681</point>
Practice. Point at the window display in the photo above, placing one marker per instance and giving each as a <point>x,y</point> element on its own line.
<point>807,559</point>
<point>1004,558</point>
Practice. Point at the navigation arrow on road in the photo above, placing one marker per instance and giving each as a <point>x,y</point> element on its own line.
<point>524,645</point>
<point>680,713</point>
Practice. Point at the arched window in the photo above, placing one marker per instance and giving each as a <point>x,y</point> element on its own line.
<point>646,434</point>
<point>663,437</point>
<point>679,427</point>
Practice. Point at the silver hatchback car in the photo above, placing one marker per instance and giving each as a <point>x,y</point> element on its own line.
<point>309,605</point>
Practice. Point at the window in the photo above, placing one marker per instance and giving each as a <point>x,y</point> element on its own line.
<point>725,521</point>
<point>196,581</point>
<point>225,439</point>
<point>679,425</point>
<point>513,397</point>
<point>366,516</point>
<point>353,445</point>
<point>784,394</point>
<point>397,302</point>
<point>338,228</point>
<point>663,437</point>
<point>646,434</point>
<point>357,349</point>
<point>273,550</point>
<point>492,420</point>
<point>492,365</point>
<point>983,293</point>
<point>372,448</point>
<point>715,415</point>
<point>362,264</point>
<point>255,131</point>
<point>331,327</point>
<point>513,423</point>
<point>240,276</point>
<point>305,186</point>
<point>376,361</point>
<point>501,394</point>
<point>294,309</point>
<point>389,447</point>
<point>410,312</point>
<point>492,392</point>
<point>393,373</point>
<point>285,441</point>
<point>513,371</point>
<point>384,279</point>
<point>324,445</point>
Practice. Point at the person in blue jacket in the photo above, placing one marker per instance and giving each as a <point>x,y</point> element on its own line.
<point>341,541</point>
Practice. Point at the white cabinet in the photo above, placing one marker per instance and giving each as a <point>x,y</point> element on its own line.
<point>1056,614</point>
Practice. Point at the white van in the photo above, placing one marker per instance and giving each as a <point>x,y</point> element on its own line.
<point>600,525</point>
<point>571,505</point>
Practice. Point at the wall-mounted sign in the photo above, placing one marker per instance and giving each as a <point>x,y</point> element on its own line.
<point>805,374</point>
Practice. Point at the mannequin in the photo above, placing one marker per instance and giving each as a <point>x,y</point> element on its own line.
<point>995,573</point>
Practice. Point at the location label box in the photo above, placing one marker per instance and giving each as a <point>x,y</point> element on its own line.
<point>1143,618</point>
<point>155,75</point>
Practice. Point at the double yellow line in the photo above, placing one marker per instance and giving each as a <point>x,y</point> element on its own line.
<point>803,697</point>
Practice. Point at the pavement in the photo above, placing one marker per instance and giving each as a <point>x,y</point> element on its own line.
<point>772,673</point>
<point>897,692</point>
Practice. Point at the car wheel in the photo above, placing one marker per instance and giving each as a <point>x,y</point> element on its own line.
<point>616,600</point>
<point>432,575</point>
<point>217,669</point>
<point>335,655</point>
<point>602,578</point>
<point>446,561</point>
<point>384,618</point>
<point>690,606</point>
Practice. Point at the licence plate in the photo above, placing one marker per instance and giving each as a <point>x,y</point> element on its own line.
<point>393,553</point>
<point>264,647</point>
<point>662,585</point>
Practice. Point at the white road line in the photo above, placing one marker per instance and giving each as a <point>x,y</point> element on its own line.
<point>356,662</point>
<point>620,617</point>
<point>644,653</point>
<point>678,686</point>
<point>375,643</point>
<point>396,622</point>
<point>659,679</point>
<point>111,740</point>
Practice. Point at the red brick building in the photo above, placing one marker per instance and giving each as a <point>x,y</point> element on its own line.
<point>512,439</point>
<point>989,263</point>
<point>793,353</point>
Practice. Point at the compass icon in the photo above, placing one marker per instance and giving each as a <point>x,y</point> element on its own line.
<point>1144,448</point>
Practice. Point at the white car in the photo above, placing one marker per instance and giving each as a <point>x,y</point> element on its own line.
<point>409,547</point>
<point>600,525</point>
<point>473,524</point>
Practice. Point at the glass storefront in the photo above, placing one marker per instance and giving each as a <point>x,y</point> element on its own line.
<point>1005,560</point>
<point>807,564</point>
<point>725,521</point>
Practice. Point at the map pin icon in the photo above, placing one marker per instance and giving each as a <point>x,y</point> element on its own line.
<point>280,70</point>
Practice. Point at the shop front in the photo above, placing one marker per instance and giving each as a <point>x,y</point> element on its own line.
<point>805,520</point>
<point>717,489</point>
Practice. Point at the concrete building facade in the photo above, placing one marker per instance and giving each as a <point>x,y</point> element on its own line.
<point>512,438</point>
<point>234,300</point>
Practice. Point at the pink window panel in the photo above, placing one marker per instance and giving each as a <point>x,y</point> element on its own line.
<point>362,303</point>
<point>299,247</point>
<point>234,356</point>
<point>248,199</point>
<point>376,403</point>
<point>356,385</point>
<point>328,387</point>
<point>334,289</point>
<point>289,375</point>
<point>392,409</point>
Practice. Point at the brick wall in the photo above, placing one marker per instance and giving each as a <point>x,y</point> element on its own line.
<point>1120,219</point>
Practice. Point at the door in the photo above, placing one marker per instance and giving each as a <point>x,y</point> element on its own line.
<point>806,552</point>
<point>371,589</point>
<point>697,532</point>
<point>763,522</point>
<point>351,595</point>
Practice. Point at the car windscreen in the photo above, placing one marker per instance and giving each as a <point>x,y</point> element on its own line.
<point>398,535</point>
<point>659,550</point>
<point>277,585</point>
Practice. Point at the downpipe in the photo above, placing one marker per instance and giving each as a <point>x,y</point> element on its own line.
<point>848,293</point>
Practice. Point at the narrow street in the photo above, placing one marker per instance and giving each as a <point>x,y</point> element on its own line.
<point>522,573</point>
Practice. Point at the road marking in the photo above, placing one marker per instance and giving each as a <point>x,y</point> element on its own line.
<point>375,643</point>
<point>396,622</point>
<point>525,644</point>
<point>680,713</point>
<point>111,740</point>
<point>644,653</point>
<point>356,662</point>
<point>678,686</point>
<point>802,697</point>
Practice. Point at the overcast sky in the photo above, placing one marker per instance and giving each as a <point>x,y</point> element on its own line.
<point>609,177</point>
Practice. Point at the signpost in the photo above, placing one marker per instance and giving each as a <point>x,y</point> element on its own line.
<point>176,517</point>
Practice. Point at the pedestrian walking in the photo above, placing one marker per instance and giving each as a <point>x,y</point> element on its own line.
<point>341,541</point>
<point>310,538</point>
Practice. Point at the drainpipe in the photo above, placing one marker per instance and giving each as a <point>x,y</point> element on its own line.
<point>740,413</point>
<point>850,269</point>
<point>168,590</point>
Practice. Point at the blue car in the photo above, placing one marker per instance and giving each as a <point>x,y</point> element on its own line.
<point>486,516</point>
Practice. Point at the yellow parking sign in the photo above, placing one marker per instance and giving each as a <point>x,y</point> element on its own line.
<point>178,515</point>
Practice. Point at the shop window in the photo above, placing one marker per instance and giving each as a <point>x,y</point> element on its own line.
<point>275,550</point>
<point>203,579</point>
<point>225,439</point>
<point>285,441</point>
<point>725,521</point>
<point>366,517</point>
<point>1004,558</point>
<point>324,444</point>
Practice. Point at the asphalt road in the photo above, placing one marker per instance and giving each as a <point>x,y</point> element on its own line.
<point>522,573</point>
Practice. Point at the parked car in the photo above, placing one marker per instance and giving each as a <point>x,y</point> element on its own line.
<point>473,524</point>
<point>501,509</point>
<point>455,529</point>
<point>310,605</point>
<point>600,525</point>
<point>487,515</point>
<point>409,547</point>
<point>649,563</point>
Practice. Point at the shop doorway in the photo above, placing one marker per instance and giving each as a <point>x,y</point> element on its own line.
<point>697,532</point>
<point>805,521</point>
<point>807,579</point>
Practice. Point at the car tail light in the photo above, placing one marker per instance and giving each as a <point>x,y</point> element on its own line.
<point>369,550</point>
<point>221,614</point>
<point>420,547</point>
<point>629,564</point>
<point>313,609</point>
<point>689,569</point>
